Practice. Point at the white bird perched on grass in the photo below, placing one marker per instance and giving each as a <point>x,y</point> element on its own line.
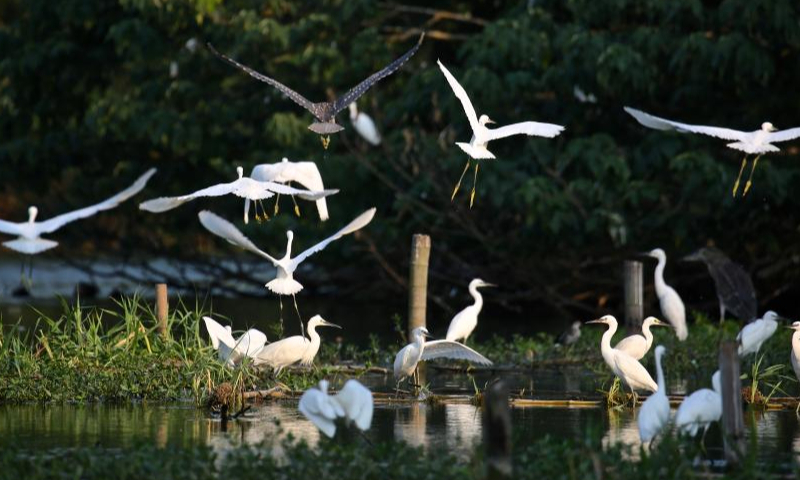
<point>354,403</point>
<point>29,241</point>
<point>364,125</point>
<point>638,345</point>
<point>405,363</point>
<point>700,408</point>
<point>290,350</point>
<point>671,304</point>
<point>305,173</point>
<point>756,142</point>
<point>795,355</point>
<point>482,135</point>
<point>242,187</point>
<point>654,414</point>
<point>628,369</point>
<point>284,283</point>
<point>465,321</point>
<point>754,334</point>
<point>231,351</point>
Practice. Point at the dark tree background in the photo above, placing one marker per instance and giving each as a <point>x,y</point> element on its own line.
<point>92,93</point>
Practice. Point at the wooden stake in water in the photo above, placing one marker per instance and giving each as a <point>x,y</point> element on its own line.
<point>418,290</point>
<point>497,432</point>
<point>633,282</point>
<point>732,413</point>
<point>162,308</point>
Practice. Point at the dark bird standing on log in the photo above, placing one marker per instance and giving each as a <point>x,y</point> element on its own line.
<point>733,284</point>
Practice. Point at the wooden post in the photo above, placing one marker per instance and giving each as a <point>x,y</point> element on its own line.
<point>633,282</point>
<point>732,413</point>
<point>497,432</point>
<point>418,289</point>
<point>162,308</point>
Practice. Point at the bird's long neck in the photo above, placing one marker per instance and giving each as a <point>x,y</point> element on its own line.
<point>313,335</point>
<point>796,344</point>
<point>660,376</point>
<point>288,247</point>
<point>659,275</point>
<point>605,342</point>
<point>648,335</point>
<point>473,290</point>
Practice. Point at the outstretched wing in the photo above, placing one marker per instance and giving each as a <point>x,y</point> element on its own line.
<point>342,102</point>
<point>10,228</point>
<point>55,223</point>
<point>158,205</point>
<point>461,94</point>
<point>454,350</point>
<point>296,97</point>
<point>548,130</point>
<point>225,229</point>
<point>320,409</point>
<point>663,124</point>
<point>304,194</point>
<point>357,402</point>
<point>784,135</point>
<point>358,223</point>
<point>217,333</point>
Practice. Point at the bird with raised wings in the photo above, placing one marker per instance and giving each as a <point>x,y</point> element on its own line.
<point>477,148</point>
<point>325,112</point>
<point>232,351</point>
<point>353,403</point>
<point>305,173</point>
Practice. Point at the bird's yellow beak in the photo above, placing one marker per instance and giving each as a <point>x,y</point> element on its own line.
<point>661,323</point>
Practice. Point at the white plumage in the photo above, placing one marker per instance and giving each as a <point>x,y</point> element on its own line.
<point>28,233</point>
<point>283,284</point>
<point>465,321</point>
<point>364,125</point>
<point>405,363</point>
<point>231,351</point>
<point>305,173</point>
<point>795,354</point>
<point>628,369</point>
<point>354,403</point>
<point>671,304</point>
<point>654,414</point>
<point>700,408</point>
<point>638,345</point>
<point>290,350</point>
<point>754,334</point>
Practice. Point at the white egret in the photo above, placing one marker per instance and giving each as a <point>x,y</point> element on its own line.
<point>700,408</point>
<point>305,173</point>
<point>795,355</point>
<point>756,142</point>
<point>290,350</point>
<point>242,187</point>
<point>364,125</point>
<point>671,304</point>
<point>654,414</point>
<point>325,112</point>
<point>29,241</point>
<point>231,351</point>
<point>754,334</point>
<point>354,403</point>
<point>465,321</point>
<point>482,135</point>
<point>628,369</point>
<point>571,335</point>
<point>284,283</point>
<point>405,363</point>
<point>638,345</point>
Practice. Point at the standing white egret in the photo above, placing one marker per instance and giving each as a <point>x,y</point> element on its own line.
<point>29,241</point>
<point>756,142</point>
<point>231,351</point>
<point>700,408</point>
<point>477,148</point>
<point>284,283</point>
<point>296,348</point>
<point>639,344</point>
<point>671,304</point>
<point>405,363</point>
<point>242,187</point>
<point>795,355</point>
<point>754,334</point>
<point>305,173</point>
<point>364,125</point>
<point>628,369</point>
<point>654,414</point>
<point>465,321</point>
<point>354,403</point>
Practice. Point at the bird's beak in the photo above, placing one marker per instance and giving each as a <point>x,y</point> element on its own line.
<point>427,335</point>
<point>488,285</point>
<point>773,129</point>
<point>329,324</point>
<point>692,257</point>
<point>597,320</point>
<point>659,323</point>
<point>491,121</point>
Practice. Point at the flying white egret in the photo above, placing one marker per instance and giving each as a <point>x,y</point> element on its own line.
<point>284,283</point>
<point>405,363</point>
<point>796,349</point>
<point>756,142</point>
<point>671,304</point>
<point>354,403</point>
<point>231,351</point>
<point>571,335</point>
<point>700,408</point>
<point>296,348</point>
<point>465,321</point>
<point>639,344</point>
<point>29,241</point>
<point>754,334</point>
<point>364,125</point>
<point>654,414</point>
<point>305,173</point>
<point>242,187</point>
<point>477,148</point>
<point>628,369</point>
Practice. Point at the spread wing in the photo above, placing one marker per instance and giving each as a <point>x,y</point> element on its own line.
<point>294,96</point>
<point>454,350</point>
<point>357,402</point>
<point>358,223</point>
<point>663,124</point>
<point>548,130</point>
<point>304,194</point>
<point>461,94</point>
<point>217,333</point>
<point>158,205</point>
<point>318,407</point>
<point>784,135</point>
<point>10,228</point>
<point>55,223</point>
<point>225,229</point>
<point>342,102</point>
<point>251,342</point>
<point>305,173</point>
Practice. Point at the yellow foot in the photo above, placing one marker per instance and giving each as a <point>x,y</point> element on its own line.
<point>471,198</point>
<point>297,210</point>
<point>455,190</point>
<point>747,187</point>
<point>326,140</point>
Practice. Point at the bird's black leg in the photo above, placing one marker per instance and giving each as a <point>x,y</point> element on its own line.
<point>474,184</point>
<point>458,185</point>
<point>739,177</point>
<point>302,329</point>
<point>750,178</point>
